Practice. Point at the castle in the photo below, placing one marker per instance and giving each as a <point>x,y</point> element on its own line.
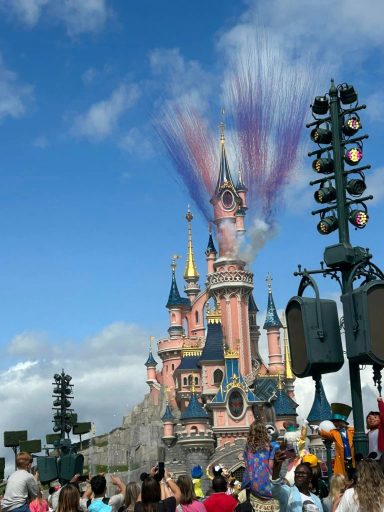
<point>212,377</point>
<point>212,382</point>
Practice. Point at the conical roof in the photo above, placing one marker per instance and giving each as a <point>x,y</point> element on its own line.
<point>151,360</point>
<point>194,410</point>
<point>167,416</point>
<point>320,410</point>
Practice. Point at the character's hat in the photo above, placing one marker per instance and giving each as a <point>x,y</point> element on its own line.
<point>310,459</point>
<point>340,412</point>
<point>197,472</point>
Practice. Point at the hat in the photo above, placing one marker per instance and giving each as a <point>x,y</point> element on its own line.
<point>340,412</point>
<point>197,472</point>
<point>310,459</point>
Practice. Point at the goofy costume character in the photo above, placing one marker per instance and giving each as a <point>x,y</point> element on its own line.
<point>342,436</point>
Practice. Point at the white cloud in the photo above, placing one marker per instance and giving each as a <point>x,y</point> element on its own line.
<point>102,117</point>
<point>108,376</point>
<point>78,16</point>
<point>89,76</point>
<point>13,95</point>
<point>138,143</point>
<point>182,80</point>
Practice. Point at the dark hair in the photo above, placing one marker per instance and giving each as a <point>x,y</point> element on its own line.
<point>98,484</point>
<point>373,413</point>
<point>187,490</point>
<point>69,499</point>
<point>219,484</point>
<point>150,494</point>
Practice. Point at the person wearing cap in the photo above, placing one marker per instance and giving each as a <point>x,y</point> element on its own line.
<point>342,436</point>
<point>319,487</point>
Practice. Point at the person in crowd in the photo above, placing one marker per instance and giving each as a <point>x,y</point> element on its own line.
<point>69,499</point>
<point>39,504</point>
<point>258,458</point>
<point>342,436</point>
<point>296,498</point>
<point>22,486</point>
<point>318,485</point>
<point>367,495</point>
<point>132,492</point>
<point>99,502</point>
<point>375,427</point>
<point>117,500</point>
<point>157,496</point>
<point>219,500</point>
<point>336,489</point>
<point>188,500</point>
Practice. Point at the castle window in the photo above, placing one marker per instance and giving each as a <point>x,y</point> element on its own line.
<point>185,381</point>
<point>173,366</point>
<point>196,317</point>
<point>217,377</point>
<point>196,381</point>
<point>173,318</point>
<point>190,380</point>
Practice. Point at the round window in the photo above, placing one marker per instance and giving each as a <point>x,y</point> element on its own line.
<point>236,403</point>
<point>227,199</point>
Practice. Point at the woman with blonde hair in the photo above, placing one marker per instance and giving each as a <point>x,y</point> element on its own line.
<point>368,493</point>
<point>336,489</point>
<point>69,499</point>
<point>132,492</point>
<point>258,458</point>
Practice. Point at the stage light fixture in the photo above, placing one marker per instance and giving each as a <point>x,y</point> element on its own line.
<point>327,225</point>
<point>356,187</point>
<point>351,125</point>
<point>353,155</point>
<point>348,94</point>
<point>323,165</point>
<point>320,105</point>
<point>321,135</point>
<point>359,218</point>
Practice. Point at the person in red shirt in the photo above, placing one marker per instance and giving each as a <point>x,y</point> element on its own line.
<point>219,501</point>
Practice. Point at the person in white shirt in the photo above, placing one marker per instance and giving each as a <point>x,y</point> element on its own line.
<point>368,493</point>
<point>22,486</point>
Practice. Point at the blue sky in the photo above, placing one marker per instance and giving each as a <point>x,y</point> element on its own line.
<point>90,211</point>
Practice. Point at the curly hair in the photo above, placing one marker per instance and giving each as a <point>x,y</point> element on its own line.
<point>369,488</point>
<point>257,437</point>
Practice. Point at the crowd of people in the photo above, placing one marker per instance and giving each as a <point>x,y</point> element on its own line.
<point>277,478</point>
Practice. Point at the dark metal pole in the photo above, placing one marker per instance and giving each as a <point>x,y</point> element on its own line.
<point>360,439</point>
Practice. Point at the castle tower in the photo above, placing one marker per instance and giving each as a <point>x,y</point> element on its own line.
<point>289,376</point>
<point>196,436</point>
<point>210,253</point>
<point>168,420</point>
<point>273,325</point>
<point>241,189</point>
<point>191,274</point>
<point>230,284</point>
<point>152,382</point>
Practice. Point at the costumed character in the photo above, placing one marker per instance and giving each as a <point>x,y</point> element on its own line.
<point>342,435</point>
<point>214,470</point>
<point>197,473</point>
<point>375,434</point>
<point>294,439</point>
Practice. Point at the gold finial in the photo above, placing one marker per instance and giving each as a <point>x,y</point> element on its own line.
<point>222,126</point>
<point>151,340</point>
<point>190,273</point>
<point>279,382</point>
<point>269,282</point>
<point>287,354</point>
<point>193,388</point>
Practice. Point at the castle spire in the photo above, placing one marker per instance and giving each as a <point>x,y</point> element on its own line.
<point>225,179</point>
<point>240,186</point>
<point>191,274</point>
<point>272,319</point>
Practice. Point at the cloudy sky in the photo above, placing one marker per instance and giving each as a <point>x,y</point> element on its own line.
<point>90,210</point>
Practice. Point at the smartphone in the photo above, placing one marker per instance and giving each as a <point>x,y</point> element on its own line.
<point>160,470</point>
<point>290,452</point>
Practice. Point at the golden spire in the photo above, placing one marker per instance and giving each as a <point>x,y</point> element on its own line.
<point>280,385</point>
<point>287,354</point>
<point>191,273</point>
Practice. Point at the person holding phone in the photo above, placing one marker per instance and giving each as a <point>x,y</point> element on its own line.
<point>296,498</point>
<point>258,458</point>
